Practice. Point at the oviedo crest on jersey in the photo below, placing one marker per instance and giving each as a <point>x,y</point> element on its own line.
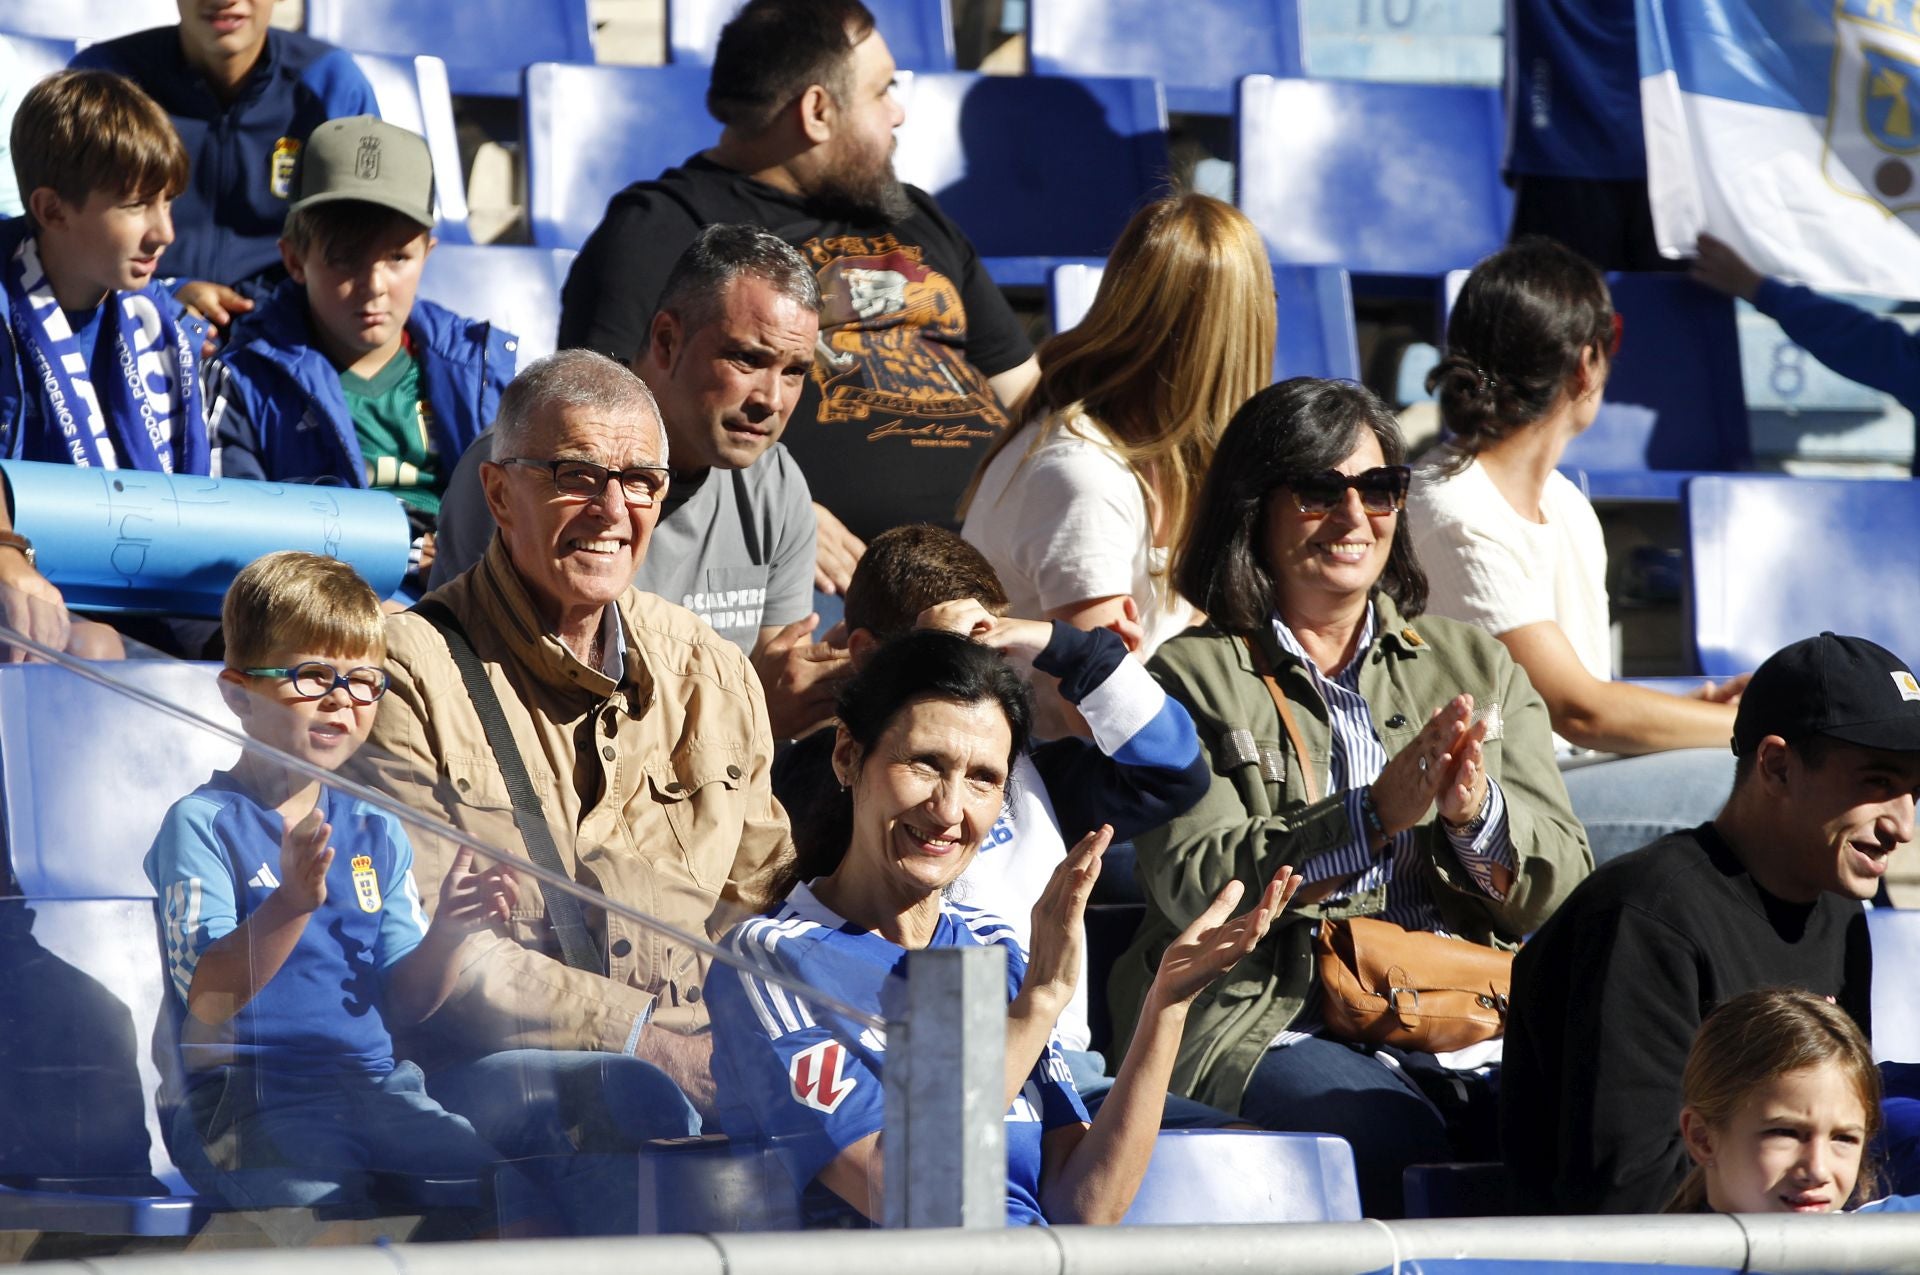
<point>286,158</point>
<point>1872,147</point>
<point>366,887</point>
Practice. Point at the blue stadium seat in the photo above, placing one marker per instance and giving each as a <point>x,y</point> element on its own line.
<point>513,286</point>
<point>87,774</point>
<point>593,130</point>
<point>1772,560</point>
<point>919,33</point>
<point>485,49</point>
<point>1036,169</point>
<point>1896,1017</point>
<point>1315,334</point>
<point>36,57</point>
<point>1203,1176</point>
<point>1398,180</point>
<point>80,1143</point>
<point>412,94</point>
<point>671,1186</point>
<point>91,20</point>
<point>1456,1190</point>
<point>1457,42</point>
<point>1197,48</point>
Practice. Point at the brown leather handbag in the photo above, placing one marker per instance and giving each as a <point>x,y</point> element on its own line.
<point>1382,984</point>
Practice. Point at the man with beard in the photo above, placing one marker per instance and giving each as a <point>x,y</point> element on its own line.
<point>919,362</point>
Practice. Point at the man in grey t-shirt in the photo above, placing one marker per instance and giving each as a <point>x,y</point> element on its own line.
<point>728,353</point>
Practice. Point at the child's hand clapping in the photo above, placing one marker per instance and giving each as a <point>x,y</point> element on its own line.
<point>473,900</point>
<point>305,857</point>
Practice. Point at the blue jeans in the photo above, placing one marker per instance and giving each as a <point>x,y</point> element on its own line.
<point>1322,1086</point>
<point>1091,1079</point>
<point>1629,801</point>
<point>532,1101</point>
<point>260,1139</point>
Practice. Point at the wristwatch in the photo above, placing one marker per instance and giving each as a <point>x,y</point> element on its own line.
<point>14,540</point>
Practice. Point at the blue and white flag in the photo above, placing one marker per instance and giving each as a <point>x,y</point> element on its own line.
<point>1790,129</point>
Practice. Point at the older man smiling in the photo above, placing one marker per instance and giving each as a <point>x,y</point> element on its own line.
<point>644,738</point>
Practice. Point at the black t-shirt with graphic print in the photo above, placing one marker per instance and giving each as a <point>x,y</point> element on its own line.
<point>898,411</point>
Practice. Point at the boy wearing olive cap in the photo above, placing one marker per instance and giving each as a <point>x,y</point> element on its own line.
<point>1608,995</point>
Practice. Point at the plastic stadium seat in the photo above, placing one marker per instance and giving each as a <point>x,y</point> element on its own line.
<point>412,94</point>
<point>1203,1176</point>
<point>485,46</point>
<point>87,773</point>
<point>1459,42</point>
<point>1197,48</point>
<point>80,1145</point>
<point>1384,179</point>
<point>1774,559</point>
<point>593,130</point>
<point>1675,403</point>
<point>1315,335</point>
<point>36,57</point>
<point>671,1186</point>
<point>513,286</point>
<point>1896,1018</point>
<point>1457,1190</point>
<point>91,20</point>
<point>1034,168</point>
<point>919,33</point>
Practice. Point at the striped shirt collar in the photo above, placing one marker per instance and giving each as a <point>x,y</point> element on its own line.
<point>1349,676</point>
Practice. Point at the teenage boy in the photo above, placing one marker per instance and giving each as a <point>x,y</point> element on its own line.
<point>244,97</point>
<point>341,376</point>
<point>294,929</point>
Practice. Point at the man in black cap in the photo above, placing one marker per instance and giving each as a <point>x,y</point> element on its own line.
<point>1608,995</point>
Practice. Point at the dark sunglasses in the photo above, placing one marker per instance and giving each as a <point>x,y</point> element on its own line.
<point>1383,490</point>
<point>316,678</point>
<point>583,480</point>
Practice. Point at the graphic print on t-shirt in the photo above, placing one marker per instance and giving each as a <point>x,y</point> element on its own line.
<point>892,352</point>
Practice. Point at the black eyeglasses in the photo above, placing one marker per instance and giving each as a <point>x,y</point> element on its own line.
<point>641,485</point>
<point>315,678</point>
<point>1383,490</point>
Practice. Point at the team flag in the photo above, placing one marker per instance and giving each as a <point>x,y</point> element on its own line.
<point>1790,129</point>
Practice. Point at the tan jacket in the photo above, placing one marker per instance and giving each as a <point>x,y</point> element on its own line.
<point>656,789</point>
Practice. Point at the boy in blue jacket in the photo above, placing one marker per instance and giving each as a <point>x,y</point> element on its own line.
<point>341,376</point>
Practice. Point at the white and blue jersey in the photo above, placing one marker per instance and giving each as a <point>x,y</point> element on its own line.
<point>806,1081</point>
<point>217,858</point>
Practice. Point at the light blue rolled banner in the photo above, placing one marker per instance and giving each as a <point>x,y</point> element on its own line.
<point>130,540</point>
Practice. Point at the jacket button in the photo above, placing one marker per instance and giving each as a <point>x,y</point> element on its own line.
<point>607,752</point>
<point>693,996</point>
<point>733,772</point>
<point>462,784</point>
<point>676,788</point>
<point>621,947</point>
<point>1396,721</point>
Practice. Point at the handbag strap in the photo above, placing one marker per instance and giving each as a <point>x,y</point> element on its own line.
<point>577,947</point>
<point>1287,723</point>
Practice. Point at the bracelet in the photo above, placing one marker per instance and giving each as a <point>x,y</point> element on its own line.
<point>1370,814</point>
<point>14,540</point>
<point>1472,826</point>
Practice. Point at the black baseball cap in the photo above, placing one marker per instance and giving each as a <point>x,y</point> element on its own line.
<point>1843,688</point>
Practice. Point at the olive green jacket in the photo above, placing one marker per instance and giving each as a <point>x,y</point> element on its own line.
<point>1248,825</point>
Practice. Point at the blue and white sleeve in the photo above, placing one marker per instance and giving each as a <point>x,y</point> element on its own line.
<point>1489,847</point>
<point>192,876</point>
<point>403,921</point>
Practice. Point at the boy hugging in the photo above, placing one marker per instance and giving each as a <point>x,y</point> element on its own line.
<point>295,937</point>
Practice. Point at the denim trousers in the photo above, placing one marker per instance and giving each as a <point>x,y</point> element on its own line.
<point>1628,801</point>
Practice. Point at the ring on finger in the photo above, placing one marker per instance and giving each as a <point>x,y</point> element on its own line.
<point>1423,765</point>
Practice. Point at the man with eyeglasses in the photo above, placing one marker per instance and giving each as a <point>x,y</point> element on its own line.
<point>644,738</point>
<point>726,357</point>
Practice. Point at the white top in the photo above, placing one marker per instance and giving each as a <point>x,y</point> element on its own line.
<point>1488,565</point>
<point>1067,521</point>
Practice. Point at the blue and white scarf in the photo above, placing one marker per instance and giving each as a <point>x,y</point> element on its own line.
<point>152,417</point>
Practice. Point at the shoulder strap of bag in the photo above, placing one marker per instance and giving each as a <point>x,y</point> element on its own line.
<point>1287,723</point>
<point>577,947</point>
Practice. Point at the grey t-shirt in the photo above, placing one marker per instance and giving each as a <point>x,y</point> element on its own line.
<point>735,546</point>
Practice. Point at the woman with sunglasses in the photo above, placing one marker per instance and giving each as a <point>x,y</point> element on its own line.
<point>1516,549</point>
<point>1426,794</point>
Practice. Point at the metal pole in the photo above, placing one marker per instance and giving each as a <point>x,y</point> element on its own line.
<point>945,1145</point>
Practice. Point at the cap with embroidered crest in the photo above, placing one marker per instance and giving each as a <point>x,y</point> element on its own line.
<point>1843,688</point>
<point>366,159</point>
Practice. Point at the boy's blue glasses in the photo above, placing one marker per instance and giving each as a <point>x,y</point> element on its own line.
<point>315,678</point>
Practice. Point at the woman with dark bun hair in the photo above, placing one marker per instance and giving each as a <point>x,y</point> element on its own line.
<point>1511,545</point>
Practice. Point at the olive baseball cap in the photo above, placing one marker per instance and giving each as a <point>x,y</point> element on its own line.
<point>364,158</point>
<point>1844,688</point>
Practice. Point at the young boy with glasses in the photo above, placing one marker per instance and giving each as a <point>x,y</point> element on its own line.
<point>294,931</point>
<point>342,375</point>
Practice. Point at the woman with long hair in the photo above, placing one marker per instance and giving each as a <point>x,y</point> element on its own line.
<point>1077,508</point>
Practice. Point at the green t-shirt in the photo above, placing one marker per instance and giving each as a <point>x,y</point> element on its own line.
<point>395,429</point>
